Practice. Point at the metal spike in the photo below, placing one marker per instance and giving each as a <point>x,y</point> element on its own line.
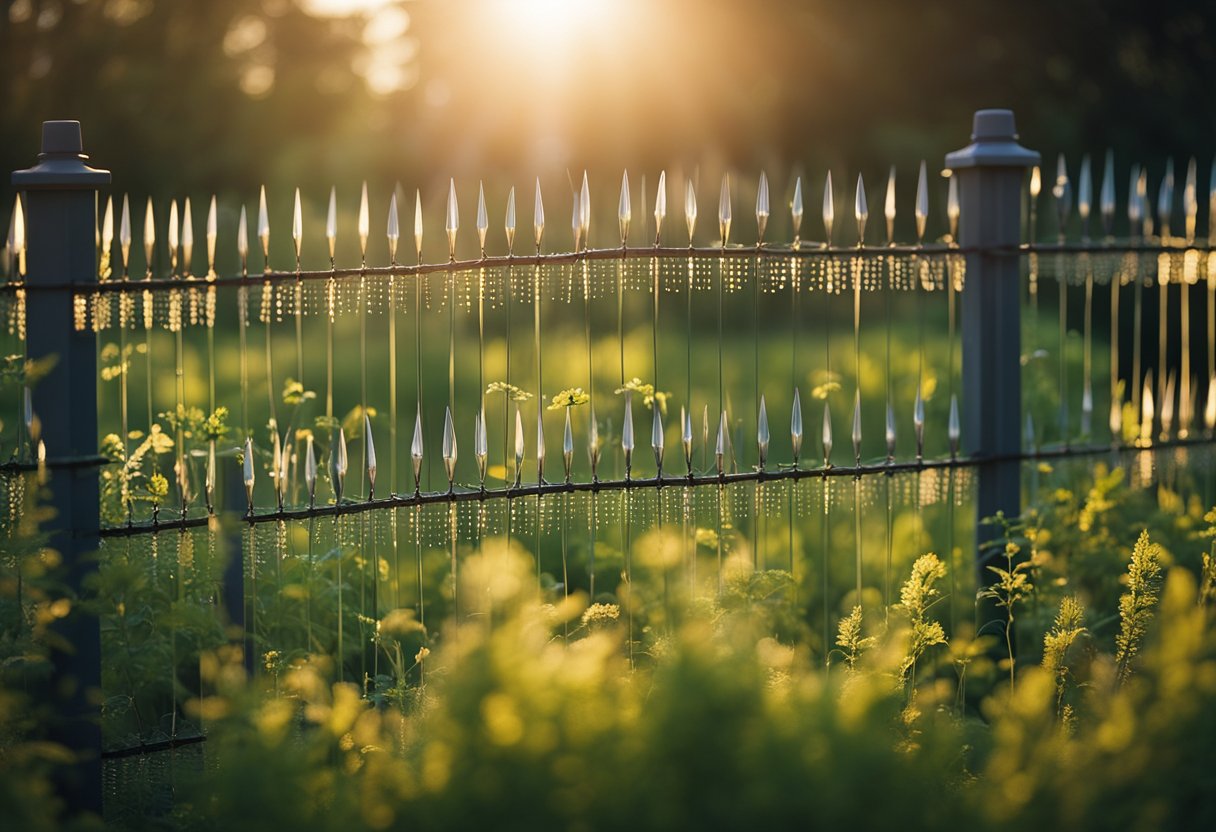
<point>624,209</point>
<point>331,223</point>
<point>519,444</point>
<point>371,455</point>
<point>310,471</point>
<point>829,208</point>
<point>593,444</point>
<point>338,464</point>
<point>1165,204</point>
<point>187,237</point>
<point>724,213</point>
<point>656,439</point>
<point>1107,196</point>
<point>1085,193</point>
<point>540,443</point>
<point>890,431</point>
<point>538,216</point>
<point>953,429</point>
<point>627,433</point>
<point>124,230</point>
<point>796,208</point>
<point>1062,191</point>
<point>922,201</point>
<point>861,209</point>
<point>720,446</point>
<point>576,220</point>
<point>1134,205</point>
<point>452,223</point>
<point>392,229</point>
<point>686,437</point>
<point>297,224</point>
<point>918,421</point>
<point>690,208</point>
<point>264,224</point>
<point>857,427</point>
<point>1146,409</point>
<point>1167,406</point>
<point>1209,412</point>
<point>418,223</point>
<point>827,434</point>
<point>889,206</point>
<point>107,225</point>
<point>509,223</point>
<point>212,235</point>
<point>796,426</point>
<point>248,473</point>
<point>761,207</point>
<point>365,222</point>
<point>584,211</point>
<point>242,239</point>
<point>762,434</point>
<point>1146,217</point>
<point>483,219</point>
<point>1190,198</point>
<point>149,234</point>
<point>953,207</point>
<point>416,449</point>
<point>660,206</point>
<point>173,236</point>
<point>1036,182</point>
<point>276,466</point>
<point>209,478</point>
<point>480,446</point>
<point>1115,420</point>
<point>182,472</point>
<point>567,446</point>
<point>449,446</point>
<point>1087,409</point>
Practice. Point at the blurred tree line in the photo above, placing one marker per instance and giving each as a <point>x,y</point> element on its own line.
<point>221,95</point>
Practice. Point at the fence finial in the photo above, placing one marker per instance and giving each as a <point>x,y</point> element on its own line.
<point>690,208</point>
<point>392,230</point>
<point>263,226</point>
<point>762,434</point>
<point>724,212</point>
<point>1107,197</point>
<point>538,216</point>
<point>331,225</point>
<point>509,221</point>
<point>761,208</point>
<point>452,224</point>
<point>829,209</point>
<point>889,206</point>
<point>861,209</point>
<point>660,206</point>
<point>796,427</point>
<point>624,210</point>
<point>483,219</point>
<point>796,211</point>
<point>922,202</point>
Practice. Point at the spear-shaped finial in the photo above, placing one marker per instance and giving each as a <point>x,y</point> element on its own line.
<point>918,421</point>
<point>392,229</point>
<point>371,455</point>
<point>762,434</point>
<point>856,436</point>
<point>331,225</point>
<point>310,471</point>
<point>276,467</point>
<point>953,429</point>
<point>483,218</point>
<point>173,238</point>
<point>686,437</point>
<point>1209,411</point>
<point>480,446</point>
<point>576,220</point>
<point>567,446</point>
<point>660,206</point>
<point>1190,199</point>
<point>449,446</point>
<point>584,211</point>
<point>364,223</point>
<point>124,234</point>
<point>922,202</point>
<point>416,447</point>
<point>827,434</point>
<point>1134,204</point>
<point>540,443</point>
<point>724,214</point>
<point>1036,183</point>
<point>656,440</point>
<point>953,207</point>
<point>149,236</point>
<point>1107,197</point>
<point>627,434</point>
<point>1062,191</point>
<point>538,216</point>
<point>690,208</point>
<point>418,223</point>
<point>720,446</point>
<point>519,445</point>
<point>264,228</point>
<point>209,478</point>
<point>212,234</point>
<point>509,222</point>
<point>796,427</point>
<point>889,206</point>
<point>1085,195</point>
<point>338,464</point>
<point>187,238</point>
<point>107,227</point>
<point>593,444</point>
<point>242,241</point>
<point>624,209</point>
<point>796,212</point>
<point>248,473</point>
<point>452,223</point>
<point>890,431</point>
<point>1165,205</point>
<point>761,208</point>
<point>829,209</point>
<point>297,227</point>
<point>861,209</point>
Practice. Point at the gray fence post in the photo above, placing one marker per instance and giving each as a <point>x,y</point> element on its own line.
<point>991,171</point>
<point>61,209</point>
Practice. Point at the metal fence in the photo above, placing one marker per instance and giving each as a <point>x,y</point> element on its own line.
<point>750,389</point>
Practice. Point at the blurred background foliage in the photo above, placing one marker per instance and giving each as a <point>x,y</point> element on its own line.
<point>225,94</point>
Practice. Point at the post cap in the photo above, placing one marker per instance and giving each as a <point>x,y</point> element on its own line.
<point>61,164</point>
<point>994,143</point>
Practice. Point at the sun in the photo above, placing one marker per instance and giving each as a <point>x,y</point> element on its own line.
<point>547,20</point>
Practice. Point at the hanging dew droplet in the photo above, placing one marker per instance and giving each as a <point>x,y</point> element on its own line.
<point>248,473</point>
<point>889,206</point>
<point>690,208</point>
<point>922,201</point>
<point>297,224</point>
<point>829,209</point>
<point>418,223</point>
<point>796,426</point>
<point>331,223</point>
<point>452,224</point>
<point>720,446</point>
<point>660,206</point>
<point>449,446</point>
<point>480,445</point>
<point>656,439</point>
<point>310,471</point>
<point>624,210</point>
<point>392,229</point>
<point>364,222</point>
<point>371,455</point>
<point>483,219</point>
<point>724,213</point>
<point>796,208</point>
<point>567,446</point>
<point>337,465</point>
<point>538,216</point>
<point>761,207</point>
<point>686,437</point>
<point>861,209</point>
<point>509,223</point>
<point>857,427</point>
<point>953,429</point>
<point>762,434</point>
<point>890,431</point>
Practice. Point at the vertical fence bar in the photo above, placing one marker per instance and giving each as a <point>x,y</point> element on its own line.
<point>991,171</point>
<point>61,206</point>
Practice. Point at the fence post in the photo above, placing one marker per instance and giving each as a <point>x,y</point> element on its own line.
<point>61,210</point>
<point>990,172</point>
